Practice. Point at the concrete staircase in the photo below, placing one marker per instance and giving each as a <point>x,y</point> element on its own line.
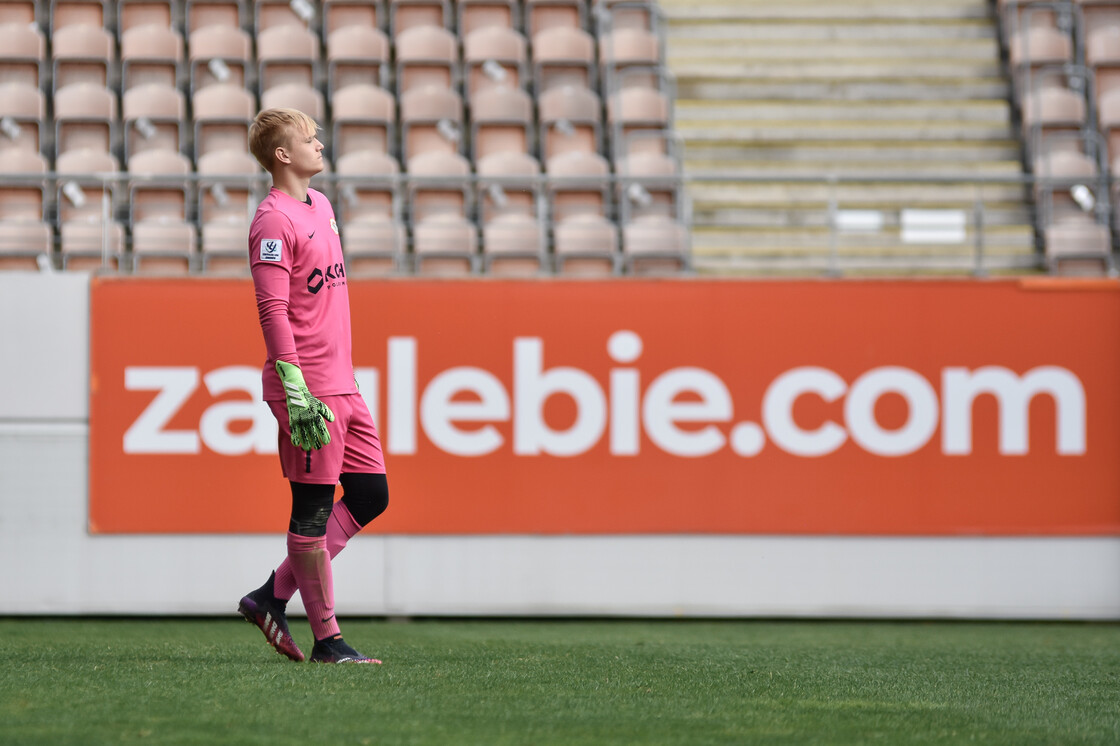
<point>789,108</point>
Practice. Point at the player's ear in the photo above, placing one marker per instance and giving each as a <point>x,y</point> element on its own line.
<point>281,155</point>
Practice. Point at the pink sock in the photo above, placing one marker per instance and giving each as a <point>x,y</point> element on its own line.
<point>340,527</point>
<point>311,565</point>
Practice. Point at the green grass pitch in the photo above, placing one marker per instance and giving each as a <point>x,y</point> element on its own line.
<point>215,681</point>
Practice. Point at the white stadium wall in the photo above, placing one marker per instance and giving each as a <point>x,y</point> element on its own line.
<point>55,564</point>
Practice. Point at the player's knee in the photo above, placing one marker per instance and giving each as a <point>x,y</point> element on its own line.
<point>366,496</point>
<point>311,507</point>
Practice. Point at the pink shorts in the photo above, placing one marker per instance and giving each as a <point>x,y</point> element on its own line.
<point>354,448</point>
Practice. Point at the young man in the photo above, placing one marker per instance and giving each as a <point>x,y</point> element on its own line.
<point>327,435</point>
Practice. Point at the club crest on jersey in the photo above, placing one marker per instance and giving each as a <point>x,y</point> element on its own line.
<point>334,226</point>
<point>272,249</point>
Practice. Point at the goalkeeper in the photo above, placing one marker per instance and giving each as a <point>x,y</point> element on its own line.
<point>327,435</point>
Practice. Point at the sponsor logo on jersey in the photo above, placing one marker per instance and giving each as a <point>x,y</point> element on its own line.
<point>333,275</point>
<point>272,249</point>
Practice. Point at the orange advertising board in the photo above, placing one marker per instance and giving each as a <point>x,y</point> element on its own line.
<point>635,407</point>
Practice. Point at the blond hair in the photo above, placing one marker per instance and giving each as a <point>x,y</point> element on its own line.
<point>272,129</point>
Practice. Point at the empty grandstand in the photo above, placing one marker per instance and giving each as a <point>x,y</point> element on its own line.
<point>571,137</point>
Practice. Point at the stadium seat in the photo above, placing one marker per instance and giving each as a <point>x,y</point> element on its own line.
<point>23,109</point>
<point>357,55</point>
<point>64,13</point>
<point>431,120</point>
<point>563,55</point>
<point>635,51</point>
<point>1102,56</point>
<point>570,119</point>
<point>1050,113</point>
<point>90,236</point>
<point>363,118</point>
<point>632,111</point>
<point>409,14</point>
<point>509,196</point>
<point>444,241</point>
<point>340,14</point>
<point>19,11</point>
<point>133,13</point>
<point>286,54</point>
<point>85,118</point>
<point>627,14</point>
<point>23,52</point>
<point>501,121</point>
<point>494,56</point>
<point>25,236</point>
<point>550,14</point>
<point>151,54</point>
<point>163,241</point>
<point>585,240</point>
<point>82,53</point>
<point>222,114</point>
<point>478,14</point>
<point>652,214</point>
<point>1108,115</point>
<point>295,96</point>
<point>426,56</point>
<point>219,54</point>
<point>1032,51</point>
<point>206,13</point>
<point>369,206</point>
<point>271,14</point>
<point>227,198</point>
<point>153,115</point>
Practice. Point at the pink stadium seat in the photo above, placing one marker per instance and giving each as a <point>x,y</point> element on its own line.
<point>431,120</point>
<point>494,56</point>
<point>340,14</point>
<point>357,55</point>
<point>82,53</point>
<point>227,199</point>
<point>219,54</point>
<point>410,14</point>
<point>85,118</point>
<point>548,14</point>
<point>206,13</point>
<point>585,241</point>
<point>1102,55</point>
<point>25,236</point>
<point>636,115</point>
<point>222,113</point>
<point>426,56</point>
<point>513,238</point>
<point>364,118</point>
<point>153,116</point>
<point>563,55</point>
<point>25,108</point>
<point>151,54</point>
<point>65,13</point>
<point>570,119</point>
<point>18,11</point>
<point>90,237</point>
<point>270,14</point>
<point>133,13</point>
<point>22,54</point>
<point>286,54</point>
<point>369,204</point>
<point>295,96</point>
<point>444,240</point>
<point>477,14</point>
<point>163,241</point>
<point>501,121</point>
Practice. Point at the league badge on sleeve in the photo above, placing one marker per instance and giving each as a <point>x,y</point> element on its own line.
<point>334,226</point>
<point>272,249</point>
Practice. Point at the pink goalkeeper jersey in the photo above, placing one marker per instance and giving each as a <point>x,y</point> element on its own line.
<point>300,281</point>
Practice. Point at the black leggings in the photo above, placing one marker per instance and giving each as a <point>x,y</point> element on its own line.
<point>365,495</point>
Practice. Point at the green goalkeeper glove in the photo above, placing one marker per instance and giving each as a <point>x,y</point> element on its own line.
<point>305,412</point>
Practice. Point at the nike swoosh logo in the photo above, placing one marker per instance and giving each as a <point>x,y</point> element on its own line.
<point>311,234</point>
<point>324,621</point>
